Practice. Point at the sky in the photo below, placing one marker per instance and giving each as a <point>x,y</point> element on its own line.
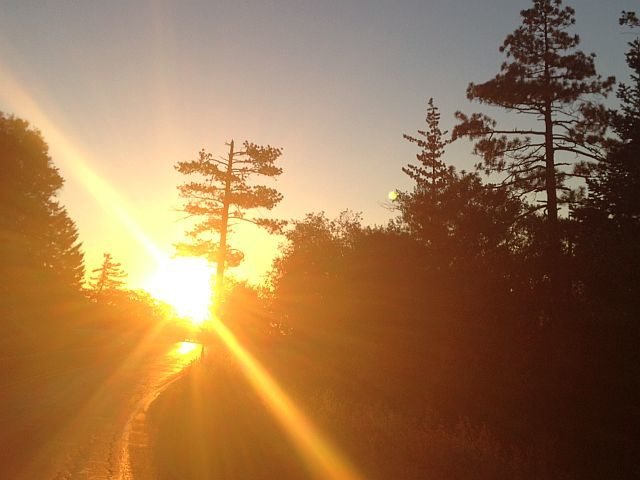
<point>122,90</point>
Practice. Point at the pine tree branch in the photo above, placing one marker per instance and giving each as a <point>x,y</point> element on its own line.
<point>582,153</point>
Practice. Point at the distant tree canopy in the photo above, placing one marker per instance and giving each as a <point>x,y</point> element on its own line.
<point>222,196</point>
<point>39,247</point>
<point>307,273</point>
<point>332,272</point>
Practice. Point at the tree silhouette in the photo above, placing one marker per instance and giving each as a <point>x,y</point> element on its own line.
<point>547,78</point>
<point>630,19</point>
<point>610,215</point>
<point>39,247</point>
<point>452,213</point>
<point>65,255</point>
<point>223,196</point>
<point>618,183</point>
<point>626,121</point>
<point>108,279</point>
<point>432,172</point>
<point>422,208</point>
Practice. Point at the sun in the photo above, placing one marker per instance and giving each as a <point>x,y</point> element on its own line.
<point>184,283</point>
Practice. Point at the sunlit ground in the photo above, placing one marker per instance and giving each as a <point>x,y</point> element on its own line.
<point>183,354</point>
<point>184,283</point>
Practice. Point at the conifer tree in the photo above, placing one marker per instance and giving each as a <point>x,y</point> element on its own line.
<point>615,189</point>
<point>39,248</point>
<point>431,173</point>
<point>451,213</point>
<point>65,257</point>
<point>548,79</point>
<point>223,195</point>
<point>610,215</point>
<point>108,278</point>
<point>423,208</point>
<point>630,19</point>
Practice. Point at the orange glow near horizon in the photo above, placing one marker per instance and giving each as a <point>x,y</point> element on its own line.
<point>184,283</point>
<point>321,458</point>
<point>77,166</point>
<point>177,281</point>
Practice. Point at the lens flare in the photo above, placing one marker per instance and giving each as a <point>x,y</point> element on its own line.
<point>321,458</point>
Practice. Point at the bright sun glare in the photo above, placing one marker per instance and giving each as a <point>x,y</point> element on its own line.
<point>184,283</point>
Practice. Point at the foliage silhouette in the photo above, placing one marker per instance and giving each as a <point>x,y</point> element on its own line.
<point>223,196</point>
<point>607,266</point>
<point>609,217</point>
<point>39,248</point>
<point>108,280</point>
<point>547,78</point>
<point>432,172</point>
<point>458,218</point>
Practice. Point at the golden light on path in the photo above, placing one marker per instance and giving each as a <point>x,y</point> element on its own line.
<point>183,354</point>
<point>184,283</point>
<point>185,348</point>
<point>322,459</point>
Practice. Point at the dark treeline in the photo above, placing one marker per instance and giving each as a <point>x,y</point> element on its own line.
<point>500,306</point>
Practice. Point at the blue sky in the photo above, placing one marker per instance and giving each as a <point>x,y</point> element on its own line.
<point>136,86</point>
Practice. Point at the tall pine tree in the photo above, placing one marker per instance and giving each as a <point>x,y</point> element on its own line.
<point>431,173</point>
<point>546,78</point>
<point>423,209</point>
<point>454,215</point>
<point>222,196</point>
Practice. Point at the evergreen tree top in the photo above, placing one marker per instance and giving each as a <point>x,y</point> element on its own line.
<point>543,64</point>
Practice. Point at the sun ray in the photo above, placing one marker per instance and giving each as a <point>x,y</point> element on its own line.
<point>73,160</point>
<point>321,457</point>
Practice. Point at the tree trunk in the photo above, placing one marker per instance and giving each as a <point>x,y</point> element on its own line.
<point>222,247</point>
<point>550,176</point>
<point>553,231</point>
